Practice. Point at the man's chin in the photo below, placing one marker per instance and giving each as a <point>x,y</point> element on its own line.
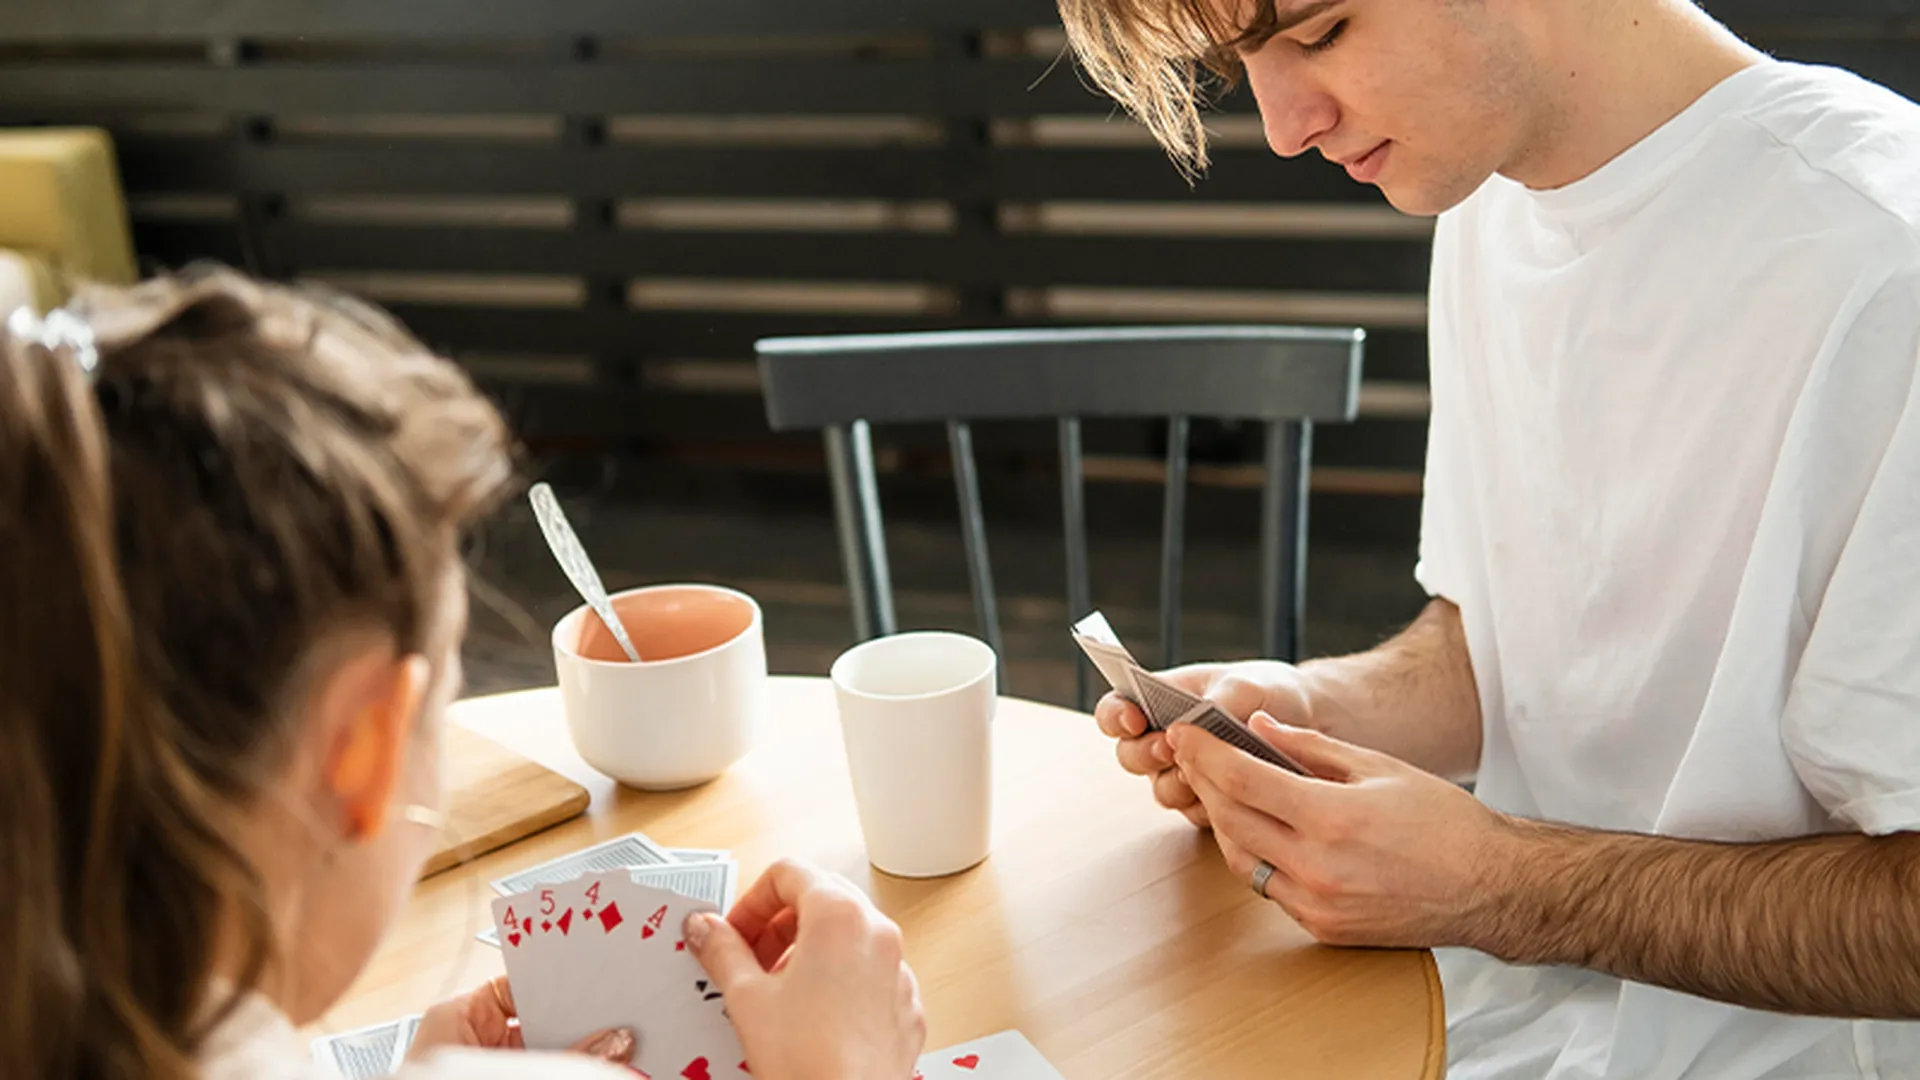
<point>1410,195</point>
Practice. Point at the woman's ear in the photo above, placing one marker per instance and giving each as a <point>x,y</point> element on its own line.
<point>370,704</point>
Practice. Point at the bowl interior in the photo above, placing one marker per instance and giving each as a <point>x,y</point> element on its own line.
<point>667,623</point>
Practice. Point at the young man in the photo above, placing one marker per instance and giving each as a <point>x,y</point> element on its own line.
<point>1672,536</point>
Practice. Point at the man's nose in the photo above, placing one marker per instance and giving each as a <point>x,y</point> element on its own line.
<point>1294,110</point>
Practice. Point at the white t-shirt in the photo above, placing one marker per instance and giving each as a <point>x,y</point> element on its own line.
<point>1674,487</point>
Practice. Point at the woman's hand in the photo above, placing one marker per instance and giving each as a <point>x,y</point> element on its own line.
<point>484,1018</point>
<point>815,979</point>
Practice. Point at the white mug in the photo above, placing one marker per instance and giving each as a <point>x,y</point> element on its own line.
<point>916,714</point>
<point>689,709</point>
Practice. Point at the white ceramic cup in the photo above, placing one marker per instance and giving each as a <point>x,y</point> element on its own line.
<point>689,709</point>
<point>916,714</point>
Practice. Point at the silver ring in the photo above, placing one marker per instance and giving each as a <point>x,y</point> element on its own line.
<point>1261,875</point>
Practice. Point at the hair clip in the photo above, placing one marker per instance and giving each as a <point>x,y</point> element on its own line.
<point>60,329</point>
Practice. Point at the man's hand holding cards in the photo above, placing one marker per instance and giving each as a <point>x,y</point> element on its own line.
<point>1164,703</point>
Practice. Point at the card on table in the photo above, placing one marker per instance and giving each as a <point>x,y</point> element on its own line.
<point>1005,1056</point>
<point>712,882</point>
<point>368,1052</point>
<point>1164,703</point>
<point>603,951</point>
<point>633,849</point>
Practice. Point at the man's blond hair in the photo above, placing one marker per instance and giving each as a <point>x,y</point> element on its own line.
<point>1163,60</point>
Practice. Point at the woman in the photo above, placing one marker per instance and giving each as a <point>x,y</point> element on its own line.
<point>230,615</point>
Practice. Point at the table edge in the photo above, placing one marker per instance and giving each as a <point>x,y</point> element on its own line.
<point>1436,1063</point>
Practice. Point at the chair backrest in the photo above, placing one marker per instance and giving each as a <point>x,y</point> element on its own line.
<point>1287,377</point>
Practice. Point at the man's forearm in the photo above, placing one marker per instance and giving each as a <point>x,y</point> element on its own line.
<point>1412,696</point>
<point>1826,925</point>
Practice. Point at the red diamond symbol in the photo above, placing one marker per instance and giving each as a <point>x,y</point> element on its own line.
<point>610,917</point>
<point>566,922</point>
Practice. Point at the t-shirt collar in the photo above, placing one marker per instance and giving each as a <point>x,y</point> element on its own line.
<point>1644,164</point>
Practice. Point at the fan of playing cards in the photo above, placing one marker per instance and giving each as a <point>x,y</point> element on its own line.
<point>592,941</point>
<point>1164,703</point>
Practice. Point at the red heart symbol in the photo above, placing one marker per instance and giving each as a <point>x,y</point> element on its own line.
<point>697,1070</point>
<point>970,1062</point>
<point>513,939</point>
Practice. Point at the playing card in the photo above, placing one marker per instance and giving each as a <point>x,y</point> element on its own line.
<point>1006,1056</point>
<point>1164,703</point>
<point>634,849</point>
<point>684,1030</point>
<point>367,1052</point>
<point>409,1027</point>
<point>710,882</point>
<point>696,855</point>
<point>1102,646</point>
<point>620,963</point>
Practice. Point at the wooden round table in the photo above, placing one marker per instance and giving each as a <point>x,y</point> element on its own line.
<point>1105,928</point>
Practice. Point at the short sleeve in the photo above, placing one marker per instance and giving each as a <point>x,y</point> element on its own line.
<point>1852,719</point>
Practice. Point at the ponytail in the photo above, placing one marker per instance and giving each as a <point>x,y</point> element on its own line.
<point>65,679</point>
<point>252,468</point>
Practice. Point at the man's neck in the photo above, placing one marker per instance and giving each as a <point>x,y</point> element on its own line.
<point>1612,74</point>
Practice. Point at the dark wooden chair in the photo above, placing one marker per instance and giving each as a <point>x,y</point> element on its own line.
<point>1287,377</point>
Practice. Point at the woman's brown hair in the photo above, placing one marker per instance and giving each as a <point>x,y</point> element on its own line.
<point>1163,60</point>
<point>249,469</point>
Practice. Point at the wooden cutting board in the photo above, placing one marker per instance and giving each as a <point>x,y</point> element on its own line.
<point>496,796</point>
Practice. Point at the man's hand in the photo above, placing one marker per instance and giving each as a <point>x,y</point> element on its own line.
<point>1239,689</point>
<point>1371,851</point>
<point>1366,851</point>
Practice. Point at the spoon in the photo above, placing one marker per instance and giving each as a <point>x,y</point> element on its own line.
<point>572,557</point>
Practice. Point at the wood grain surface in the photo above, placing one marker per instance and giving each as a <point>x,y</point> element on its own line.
<point>1106,929</point>
<point>496,796</point>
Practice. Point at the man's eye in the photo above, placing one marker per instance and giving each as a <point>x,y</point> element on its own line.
<point>1326,40</point>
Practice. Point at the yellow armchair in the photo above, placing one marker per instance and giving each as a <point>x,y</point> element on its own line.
<point>63,219</point>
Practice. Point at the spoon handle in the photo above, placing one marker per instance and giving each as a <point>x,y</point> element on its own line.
<point>572,557</point>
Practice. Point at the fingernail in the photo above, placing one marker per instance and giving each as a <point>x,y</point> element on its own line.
<point>695,929</point>
<point>615,1046</point>
<point>1162,752</point>
<point>1265,718</point>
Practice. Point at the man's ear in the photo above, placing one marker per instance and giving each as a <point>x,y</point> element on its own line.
<point>369,704</point>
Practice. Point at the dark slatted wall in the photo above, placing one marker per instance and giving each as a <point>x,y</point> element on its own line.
<point>600,204</point>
